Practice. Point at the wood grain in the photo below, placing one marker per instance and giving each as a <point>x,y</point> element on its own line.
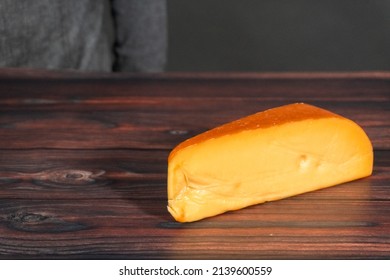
<point>83,161</point>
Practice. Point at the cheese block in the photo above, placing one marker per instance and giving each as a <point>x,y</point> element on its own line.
<point>274,154</point>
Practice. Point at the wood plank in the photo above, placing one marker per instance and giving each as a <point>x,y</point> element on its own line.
<point>121,213</point>
<point>134,174</point>
<point>157,112</point>
<point>100,228</point>
<point>159,127</point>
<point>83,162</point>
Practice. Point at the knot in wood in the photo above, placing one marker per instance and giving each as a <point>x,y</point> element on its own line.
<point>72,177</point>
<point>178,132</point>
<point>25,217</point>
<point>41,223</point>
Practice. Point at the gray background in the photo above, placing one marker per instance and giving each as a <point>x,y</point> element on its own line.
<point>278,35</point>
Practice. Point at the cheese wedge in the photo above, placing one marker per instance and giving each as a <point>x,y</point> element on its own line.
<point>267,156</point>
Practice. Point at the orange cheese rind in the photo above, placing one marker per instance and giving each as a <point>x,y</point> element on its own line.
<point>266,156</point>
<point>271,117</point>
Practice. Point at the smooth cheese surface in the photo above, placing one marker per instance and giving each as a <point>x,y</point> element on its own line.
<point>267,156</point>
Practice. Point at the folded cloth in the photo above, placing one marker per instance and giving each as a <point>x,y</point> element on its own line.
<point>140,35</point>
<point>83,34</point>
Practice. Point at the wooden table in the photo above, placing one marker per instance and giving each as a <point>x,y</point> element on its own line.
<point>83,167</point>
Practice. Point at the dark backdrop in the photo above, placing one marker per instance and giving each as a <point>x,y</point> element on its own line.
<point>278,35</point>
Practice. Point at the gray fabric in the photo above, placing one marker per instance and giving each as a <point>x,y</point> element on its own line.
<point>141,36</point>
<point>83,34</point>
<point>56,34</point>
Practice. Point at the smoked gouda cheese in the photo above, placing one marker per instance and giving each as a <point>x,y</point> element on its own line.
<point>274,154</point>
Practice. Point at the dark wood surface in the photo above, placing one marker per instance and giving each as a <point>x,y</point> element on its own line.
<point>83,165</point>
